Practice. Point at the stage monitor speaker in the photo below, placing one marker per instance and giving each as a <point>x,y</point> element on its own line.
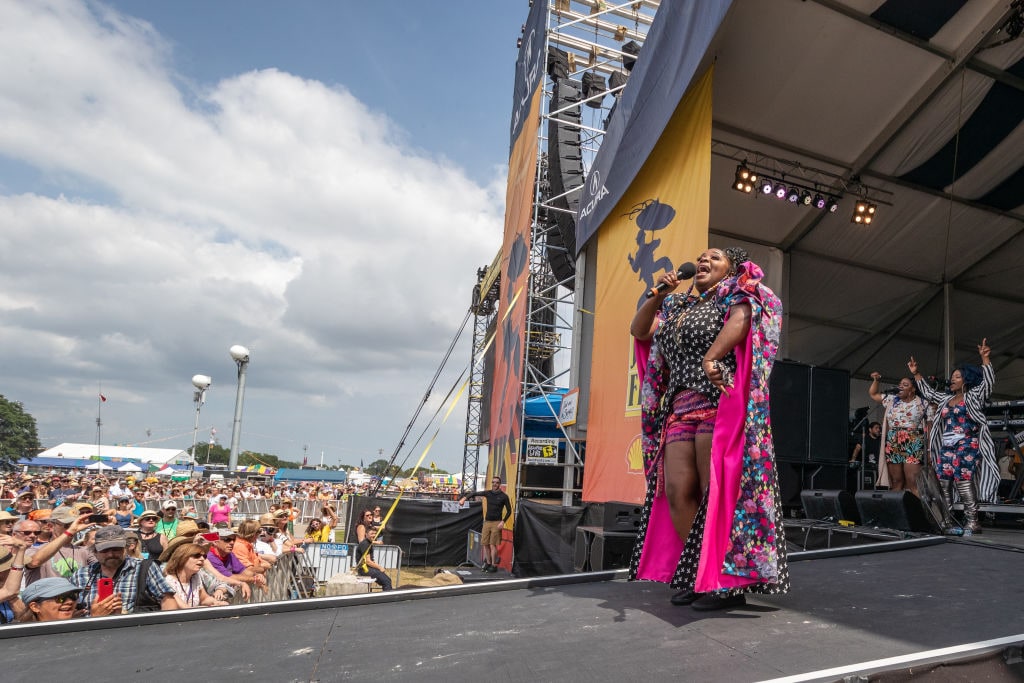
<point>610,552</point>
<point>622,516</point>
<point>900,510</point>
<point>581,550</point>
<point>829,506</point>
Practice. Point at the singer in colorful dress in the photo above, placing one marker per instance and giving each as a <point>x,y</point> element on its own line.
<point>960,440</point>
<point>712,518</point>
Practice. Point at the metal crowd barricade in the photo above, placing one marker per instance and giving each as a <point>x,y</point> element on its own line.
<point>291,578</point>
<point>329,559</point>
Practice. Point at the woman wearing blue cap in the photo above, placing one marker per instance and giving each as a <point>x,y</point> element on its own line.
<point>51,599</point>
<point>959,439</point>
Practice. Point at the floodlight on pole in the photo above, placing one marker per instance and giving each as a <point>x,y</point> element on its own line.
<point>201,383</point>
<point>240,355</point>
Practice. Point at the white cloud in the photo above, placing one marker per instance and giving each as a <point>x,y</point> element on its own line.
<point>168,224</point>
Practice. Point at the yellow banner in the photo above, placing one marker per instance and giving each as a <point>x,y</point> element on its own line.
<point>661,221</point>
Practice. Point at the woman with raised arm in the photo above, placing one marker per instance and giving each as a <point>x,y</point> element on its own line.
<point>960,440</point>
<point>712,519</point>
<point>903,432</point>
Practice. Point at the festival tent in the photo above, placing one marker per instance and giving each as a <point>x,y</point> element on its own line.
<point>118,454</point>
<point>916,106</point>
<point>98,466</point>
<point>130,467</point>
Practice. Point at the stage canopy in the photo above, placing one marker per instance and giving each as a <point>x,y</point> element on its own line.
<point>917,105</point>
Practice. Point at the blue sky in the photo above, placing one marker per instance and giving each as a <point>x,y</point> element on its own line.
<point>315,180</point>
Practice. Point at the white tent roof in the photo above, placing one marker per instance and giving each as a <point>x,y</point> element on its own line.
<point>98,466</point>
<point>129,467</point>
<point>156,456</point>
<point>926,109</point>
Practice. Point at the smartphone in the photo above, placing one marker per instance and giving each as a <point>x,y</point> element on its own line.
<point>98,518</point>
<point>104,588</point>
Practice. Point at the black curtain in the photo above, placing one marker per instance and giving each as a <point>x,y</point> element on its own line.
<point>446,532</point>
<point>545,536</point>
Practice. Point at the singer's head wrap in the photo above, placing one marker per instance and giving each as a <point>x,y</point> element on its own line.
<point>736,256</point>
<point>971,374</point>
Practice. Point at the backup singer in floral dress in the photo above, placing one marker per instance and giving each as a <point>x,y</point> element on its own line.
<point>705,358</point>
<point>903,427</point>
<point>960,439</point>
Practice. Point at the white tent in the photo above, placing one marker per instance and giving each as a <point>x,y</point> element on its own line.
<point>98,466</point>
<point>129,467</point>
<point>166,472</point>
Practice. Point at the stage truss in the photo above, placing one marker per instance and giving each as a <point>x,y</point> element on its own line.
<point>590,36</point>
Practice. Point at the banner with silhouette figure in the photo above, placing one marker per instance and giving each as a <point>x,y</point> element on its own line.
<point>660,222</point>
<point>506,409</point>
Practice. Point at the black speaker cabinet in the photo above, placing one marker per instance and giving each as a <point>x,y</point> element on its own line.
<point>900,510</point>
<point>610,552</point>
<point>810,411</point>
<point>621,516</point>
<point>829,506</point>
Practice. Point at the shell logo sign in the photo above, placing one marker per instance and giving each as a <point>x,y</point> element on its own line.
<point>635,456</point>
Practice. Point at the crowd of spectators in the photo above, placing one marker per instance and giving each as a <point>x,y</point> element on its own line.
<point>91,545</point>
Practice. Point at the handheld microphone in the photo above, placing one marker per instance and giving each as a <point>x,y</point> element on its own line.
<point>685,272</point>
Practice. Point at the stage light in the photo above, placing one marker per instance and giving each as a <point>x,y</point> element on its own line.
<point>767,187</point>
<point>744,180</point>
<point>819,202</point>
<point>780,191</point>
<point>832,206</point>
<point>863,212</point>
<point>793,195</point>
<point>805,198</point>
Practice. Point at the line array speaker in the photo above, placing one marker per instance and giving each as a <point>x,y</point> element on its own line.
<point>565,175</point>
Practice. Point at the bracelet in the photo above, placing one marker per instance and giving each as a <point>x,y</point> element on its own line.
<point>17,569</point>
<point>68,534</point>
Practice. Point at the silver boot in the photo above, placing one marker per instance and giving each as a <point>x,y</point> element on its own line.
<point>949,525</point>
<point>947,492</point>
<point>969,496</point>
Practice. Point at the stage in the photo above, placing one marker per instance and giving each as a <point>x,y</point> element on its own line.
<point>846,610</point>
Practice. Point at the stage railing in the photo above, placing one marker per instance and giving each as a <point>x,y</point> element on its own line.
<point>328,559</point>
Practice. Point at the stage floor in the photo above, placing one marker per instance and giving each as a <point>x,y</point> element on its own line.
<point>842,611</point>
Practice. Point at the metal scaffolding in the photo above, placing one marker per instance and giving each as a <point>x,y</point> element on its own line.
<point>590,47</point>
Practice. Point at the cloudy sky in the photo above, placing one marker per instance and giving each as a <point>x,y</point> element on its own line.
<point>318,181</point>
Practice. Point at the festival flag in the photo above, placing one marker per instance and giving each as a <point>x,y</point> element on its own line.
<point>304,461</point>
<point>103,398</point>
<point>432,465</point>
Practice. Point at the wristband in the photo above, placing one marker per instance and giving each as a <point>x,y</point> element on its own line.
<point>17,569</point>
<point>68,534</point>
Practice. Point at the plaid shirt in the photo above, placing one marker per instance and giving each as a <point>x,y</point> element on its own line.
<point>125,583</point>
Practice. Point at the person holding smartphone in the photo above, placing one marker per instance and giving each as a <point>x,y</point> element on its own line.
<point>110,585</point>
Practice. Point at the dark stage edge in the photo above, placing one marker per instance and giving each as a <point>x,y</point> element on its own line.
<point>845,611</point>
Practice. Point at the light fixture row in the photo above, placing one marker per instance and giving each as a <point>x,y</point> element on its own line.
<point>747,181</point>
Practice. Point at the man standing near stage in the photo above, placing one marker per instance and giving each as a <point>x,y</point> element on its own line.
<point>494,521</point>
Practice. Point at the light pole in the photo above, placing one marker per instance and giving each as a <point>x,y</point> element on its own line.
<point>240,354</point>
<point>201,383</point>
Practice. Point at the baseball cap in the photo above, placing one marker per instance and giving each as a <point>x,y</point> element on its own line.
<point>63,515</point>
<point>169,504</point>
<point>50,587</point>
<point>108,537</point>
<point>226,533</point>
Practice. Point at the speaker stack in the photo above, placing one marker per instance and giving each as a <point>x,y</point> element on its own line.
<point>810,409</point>
<point>610,545</point>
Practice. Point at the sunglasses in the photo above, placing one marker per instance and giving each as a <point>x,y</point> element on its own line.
<point>28,533</point>
<point>196,556</point>
<point>61,599</point>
